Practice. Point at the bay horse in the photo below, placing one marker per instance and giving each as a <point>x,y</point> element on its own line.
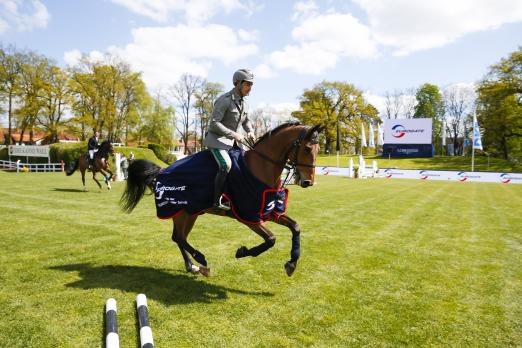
<point>291,145</point>
<point>101,164</point>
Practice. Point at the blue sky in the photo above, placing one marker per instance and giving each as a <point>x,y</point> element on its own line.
<point>377,45</point>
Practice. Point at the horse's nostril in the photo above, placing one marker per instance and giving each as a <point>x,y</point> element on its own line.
<point>306,183</point>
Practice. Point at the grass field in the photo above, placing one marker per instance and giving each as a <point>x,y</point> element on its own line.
<point>435,163</point>
<point>384,263</point>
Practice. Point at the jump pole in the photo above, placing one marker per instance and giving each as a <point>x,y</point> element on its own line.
<point>112,340</point>
<point>143,317</point>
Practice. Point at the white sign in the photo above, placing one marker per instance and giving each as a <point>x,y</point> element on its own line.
<point>29,151</point>
<point>408,131</point>
<point>462,176</point>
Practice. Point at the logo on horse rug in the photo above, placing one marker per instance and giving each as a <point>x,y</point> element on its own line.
<point>188,185</point>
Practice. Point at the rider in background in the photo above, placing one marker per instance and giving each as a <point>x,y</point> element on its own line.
<point>93,147</point>
<point>230,111</point>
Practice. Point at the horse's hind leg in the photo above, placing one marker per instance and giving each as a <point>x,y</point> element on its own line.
<point>83,179</point>
<point>182,227</point>
<point>176,236</point>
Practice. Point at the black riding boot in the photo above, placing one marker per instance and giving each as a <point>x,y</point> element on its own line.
<point>219,182</point>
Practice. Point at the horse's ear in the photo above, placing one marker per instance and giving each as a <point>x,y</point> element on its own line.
<point>313,133</point>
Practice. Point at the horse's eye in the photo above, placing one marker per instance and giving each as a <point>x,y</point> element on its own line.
<point>308,149</point>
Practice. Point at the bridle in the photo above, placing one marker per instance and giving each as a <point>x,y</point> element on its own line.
<point>288,163</point>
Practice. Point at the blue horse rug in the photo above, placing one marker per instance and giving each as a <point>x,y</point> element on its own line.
<point>188,184</point>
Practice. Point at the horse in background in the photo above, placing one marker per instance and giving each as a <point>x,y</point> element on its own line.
<point>290,145</point>
<point>101,164</point>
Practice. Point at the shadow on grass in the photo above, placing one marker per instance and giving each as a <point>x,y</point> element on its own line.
<point>157,284</point>
<point>67,190</point>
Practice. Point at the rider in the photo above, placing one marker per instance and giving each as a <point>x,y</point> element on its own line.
<point>230,110</point>
<point>93,148</point>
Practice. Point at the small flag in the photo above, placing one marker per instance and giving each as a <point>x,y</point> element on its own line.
<point>363,136</point>
<point>338,145</point>
<point>371,142</point>
<point>380,135</point>
<point>477,140</point>
<point>443,133</point>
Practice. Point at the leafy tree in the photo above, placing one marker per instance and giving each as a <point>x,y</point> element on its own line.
<point>158,123</point>
<point>499,107</point>
<point>334,104</point>
<point>430,105</point>
<point>10,68</point>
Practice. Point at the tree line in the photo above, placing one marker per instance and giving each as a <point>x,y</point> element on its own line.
<point>35,93</point>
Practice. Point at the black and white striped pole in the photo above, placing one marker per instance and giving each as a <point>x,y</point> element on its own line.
<point>143,317</point>
<point>112,340</point>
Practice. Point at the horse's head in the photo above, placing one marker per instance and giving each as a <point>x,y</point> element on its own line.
<point>107,147</point>
<point>306,156</point>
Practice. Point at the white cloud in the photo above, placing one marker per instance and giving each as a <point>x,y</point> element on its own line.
<point>321,41</point>
<point>195,11</point>
<point>410,25</point>
<point>264,71</point>
<point>73,57</point>
<point>23,15</point>
<point>163,54</point>
<point>304,9</point>
<point>278,112</point>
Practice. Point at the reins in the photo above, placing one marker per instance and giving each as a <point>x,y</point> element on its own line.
<point>287,163</point>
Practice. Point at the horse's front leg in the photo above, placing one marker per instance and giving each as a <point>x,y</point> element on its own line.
<point>295,252</point>
<point>106,178</point>
<point>266,234</point>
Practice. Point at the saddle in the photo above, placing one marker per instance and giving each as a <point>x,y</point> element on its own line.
<point>188,185</point>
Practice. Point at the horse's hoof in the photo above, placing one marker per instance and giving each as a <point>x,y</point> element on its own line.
<point>193,269</point>
<point>241,252</point>
<point>204,270</point>
<point>290,268</point>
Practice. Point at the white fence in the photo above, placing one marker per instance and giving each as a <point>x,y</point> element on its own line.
<point>19,166</point>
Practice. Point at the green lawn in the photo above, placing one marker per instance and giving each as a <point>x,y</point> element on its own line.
<point>435,163</point>
<point>385,263</point>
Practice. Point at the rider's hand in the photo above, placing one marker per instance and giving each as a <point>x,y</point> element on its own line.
<point>251,136</point>
<point>238,137</point>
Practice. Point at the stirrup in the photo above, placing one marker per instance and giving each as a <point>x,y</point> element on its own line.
<point>223,204</point>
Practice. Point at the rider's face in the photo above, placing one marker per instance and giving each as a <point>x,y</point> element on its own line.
<point>245,88</point>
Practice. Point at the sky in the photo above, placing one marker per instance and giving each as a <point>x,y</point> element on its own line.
<point>377,45</point>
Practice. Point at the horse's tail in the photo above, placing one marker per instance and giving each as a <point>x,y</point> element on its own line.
<point>70,172</point>
<point>141,174</point>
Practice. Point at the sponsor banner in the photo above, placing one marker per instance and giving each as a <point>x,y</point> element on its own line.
<point>29,151</point>
<point>462,176</point>
<point>408,131</point>
<point>407,150</point>
<point>331,171</point>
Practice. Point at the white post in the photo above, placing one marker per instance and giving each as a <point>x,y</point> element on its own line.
<point>350,168</point>
<point>374,167</point>
<point>18,166</point>
<point>119,174</point>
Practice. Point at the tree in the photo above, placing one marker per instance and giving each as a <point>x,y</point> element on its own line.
<point>158,123</point>
<point>55,98</point>
<point>430,105</point>
<point>10,68</point>
<point>459,102</point>
<point>184,92</point>
<point>334,104</point>
<point>205,96</point>
<point>31,86</point>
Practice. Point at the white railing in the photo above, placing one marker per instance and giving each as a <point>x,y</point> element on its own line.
<point>19,166</point>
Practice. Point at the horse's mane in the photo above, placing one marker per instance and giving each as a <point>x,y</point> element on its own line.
<point>276,130</point>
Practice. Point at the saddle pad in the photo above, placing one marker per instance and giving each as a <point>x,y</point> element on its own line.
<point>188,184</point>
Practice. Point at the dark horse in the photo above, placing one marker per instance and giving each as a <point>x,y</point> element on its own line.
<point>289,145</point>
<point>101,164</point>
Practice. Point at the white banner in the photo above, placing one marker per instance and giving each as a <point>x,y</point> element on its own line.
<point>498,177</point>
<point>29,150</point>
<point>408,131</point>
